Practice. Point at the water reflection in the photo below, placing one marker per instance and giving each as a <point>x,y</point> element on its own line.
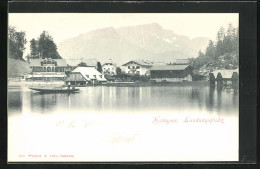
<point>211,99</point>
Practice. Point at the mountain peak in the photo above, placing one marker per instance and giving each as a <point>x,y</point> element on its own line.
<point>147,41</point>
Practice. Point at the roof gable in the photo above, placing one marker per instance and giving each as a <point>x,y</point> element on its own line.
<point>170,67</point>
<point>37,62</point>
<point>141,63</point>
<point>89,73</point>
<point>226,74</point>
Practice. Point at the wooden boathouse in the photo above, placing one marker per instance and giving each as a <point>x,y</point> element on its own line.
<point>224,77</point>
<point>85,75</point>
<point>171,73</point>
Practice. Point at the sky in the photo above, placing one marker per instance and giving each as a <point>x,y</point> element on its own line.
<point>62,26</point>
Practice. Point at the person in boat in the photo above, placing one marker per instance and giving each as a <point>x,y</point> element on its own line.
<point>69,86</point>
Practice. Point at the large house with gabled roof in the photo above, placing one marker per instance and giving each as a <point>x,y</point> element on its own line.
<point>47,69</point>
<point>139,67</point>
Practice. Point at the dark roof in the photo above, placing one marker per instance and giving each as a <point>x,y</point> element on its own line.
<point>169,67</point>
<point>139,62</point>
<point>37,62</point>
<point>107,63</point>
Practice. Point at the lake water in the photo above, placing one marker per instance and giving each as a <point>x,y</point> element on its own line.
<point>104,98</point>
<point>146,123</point>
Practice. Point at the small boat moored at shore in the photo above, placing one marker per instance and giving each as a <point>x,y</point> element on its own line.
<point>54,90</point>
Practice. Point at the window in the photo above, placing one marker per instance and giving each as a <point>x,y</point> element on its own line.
<point>137,67</point>
<point>48,69</point>
<point>87,76</point>
<point>95,76</point>
<point>128,67</point>
<point>100,76</point>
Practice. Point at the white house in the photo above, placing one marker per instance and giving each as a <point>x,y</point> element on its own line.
<point>137,67</point>
<point>85,75</point>
<point>109,68</point>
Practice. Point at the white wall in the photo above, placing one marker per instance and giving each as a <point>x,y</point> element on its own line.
<point>143,70</point>
<point>112,69</point>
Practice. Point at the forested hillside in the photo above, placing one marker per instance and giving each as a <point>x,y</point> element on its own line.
<point>43,47</point>
<point>222,54</point>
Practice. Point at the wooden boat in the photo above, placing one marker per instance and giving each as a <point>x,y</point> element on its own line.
<point>54,90</point>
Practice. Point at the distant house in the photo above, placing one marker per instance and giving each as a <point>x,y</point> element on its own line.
<point>73,63</point>
<point>85,75</point>
<point>171,73</point>
<point>109,68</point>
<point>48,69</point>
<point>137,67</point>
<point>224,77</point>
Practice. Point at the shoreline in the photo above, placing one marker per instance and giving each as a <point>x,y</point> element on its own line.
<point>120,84</point>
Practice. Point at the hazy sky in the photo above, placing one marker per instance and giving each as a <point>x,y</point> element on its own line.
<point>62,26</point>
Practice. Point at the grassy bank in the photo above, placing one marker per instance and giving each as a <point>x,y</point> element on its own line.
<point>17,68</point>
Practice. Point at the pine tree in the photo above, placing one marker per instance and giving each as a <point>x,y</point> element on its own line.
<point>220,49</point>
<point>46,47</point>
<point>34,49</point>
<point>99,67</point>
<point>16,43</point>
<point>211,50</point>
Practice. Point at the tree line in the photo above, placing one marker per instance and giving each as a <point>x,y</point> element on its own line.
<point>226,42</point>
<point>42,47</point>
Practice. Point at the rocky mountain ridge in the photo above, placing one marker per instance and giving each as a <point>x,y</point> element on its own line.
<point>145,42</point>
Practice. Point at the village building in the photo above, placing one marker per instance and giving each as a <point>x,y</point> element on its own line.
<point>137,67</point>
<point>182,61</point>
<point>109,68</point>
<point>73,63</point>
<point>47,69</point>
<point>224,77</point>
<point>85,75</point>
<point>171,73</point>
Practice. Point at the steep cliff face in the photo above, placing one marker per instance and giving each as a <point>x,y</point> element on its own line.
<point>148,42</point>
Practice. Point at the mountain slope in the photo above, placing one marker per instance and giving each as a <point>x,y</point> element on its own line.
<point>147,42</point>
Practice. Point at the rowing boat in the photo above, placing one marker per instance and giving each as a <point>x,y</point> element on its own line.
<point>54,90</point>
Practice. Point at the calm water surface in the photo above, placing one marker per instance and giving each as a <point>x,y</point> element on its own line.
<point>102,98</point>
<point>99,123</point>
